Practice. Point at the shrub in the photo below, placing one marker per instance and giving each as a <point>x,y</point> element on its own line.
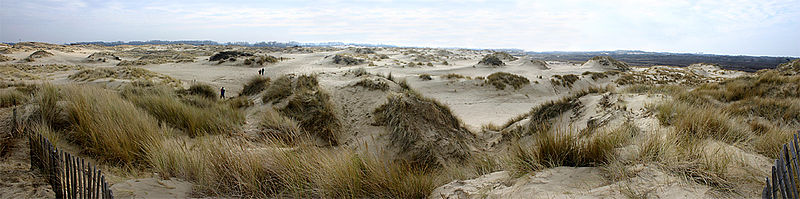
<point>425,77</point>
<point>453,76</point>
<point>255,85</point>
<point>500,79</point>
<point>12,98</point>
<point>108,126</point>
<point>226,55</point>
<point>492,60</point>
<point>358,72</point>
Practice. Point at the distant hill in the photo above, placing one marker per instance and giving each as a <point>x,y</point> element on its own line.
<point>642,58</point>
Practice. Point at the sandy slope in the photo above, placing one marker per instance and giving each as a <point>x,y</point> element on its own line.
<point>474,102</point>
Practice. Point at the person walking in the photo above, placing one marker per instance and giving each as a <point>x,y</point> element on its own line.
<point>222,92</point>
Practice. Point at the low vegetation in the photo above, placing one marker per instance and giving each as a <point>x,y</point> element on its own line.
<point>12,97</point>
<point>425,131</point>
<point>500,79</point>
<point>195,115</point>
<point>255,85</point>
<point>107,126</point>
<point>453,76</point>
<point>372,84</point>
<point>425,77</point>
<point>123,72</point>
<point>564,80</point>
<point>560,147</point>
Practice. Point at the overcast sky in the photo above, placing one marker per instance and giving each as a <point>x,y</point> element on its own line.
<point>758,27</point>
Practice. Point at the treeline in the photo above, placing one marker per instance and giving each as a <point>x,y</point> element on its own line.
<point>641,58</point>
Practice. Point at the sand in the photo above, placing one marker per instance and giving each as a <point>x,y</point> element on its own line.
<point>477,104</point>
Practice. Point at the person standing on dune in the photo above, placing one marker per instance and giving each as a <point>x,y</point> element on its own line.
<point>222,92</point>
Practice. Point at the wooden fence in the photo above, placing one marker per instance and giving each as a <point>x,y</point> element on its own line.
<point>70,176</point>
<point>785,173</point>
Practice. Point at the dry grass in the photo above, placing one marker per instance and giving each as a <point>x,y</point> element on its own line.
<point>255,85</point>
<point>240,102</point>
<point>125,72</point>
<point>560,147</point>
<point>308,104</point>
<point>372,84</point>
<point>209,118</point>
<point>221,167</point>
<point>565,80</point>
<point>700,122</point>
<point>315,112</point>
<point>695,160</point>
<point>48,112</point>
<point>109,127</point>
<point>203,90</point>
<point>9,97</point>
<point>426,131</point>
<point>275,126</point>
<point>541,115</point>
<point>500,79</point>
<point>278,89</point>
<point>453,76</point>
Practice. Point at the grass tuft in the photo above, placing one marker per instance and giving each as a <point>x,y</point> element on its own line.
<point>255,85</point>
<point>500,79</point>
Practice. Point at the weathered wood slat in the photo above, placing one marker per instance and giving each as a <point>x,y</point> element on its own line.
<point>790,189</point>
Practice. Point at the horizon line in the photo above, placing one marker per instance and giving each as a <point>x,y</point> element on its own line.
<point>400,46</point>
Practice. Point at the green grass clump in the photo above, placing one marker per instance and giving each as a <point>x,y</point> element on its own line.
<point>500,79</point>
<point>109,127</point>
<point>255,85</point>
<point>12,98</point>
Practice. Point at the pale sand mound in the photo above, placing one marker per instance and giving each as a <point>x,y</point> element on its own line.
<point>606,63</point>
<point>534,63</point>
<point>152,188</point>
<point>573,182</point>
<point>102,57</point>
